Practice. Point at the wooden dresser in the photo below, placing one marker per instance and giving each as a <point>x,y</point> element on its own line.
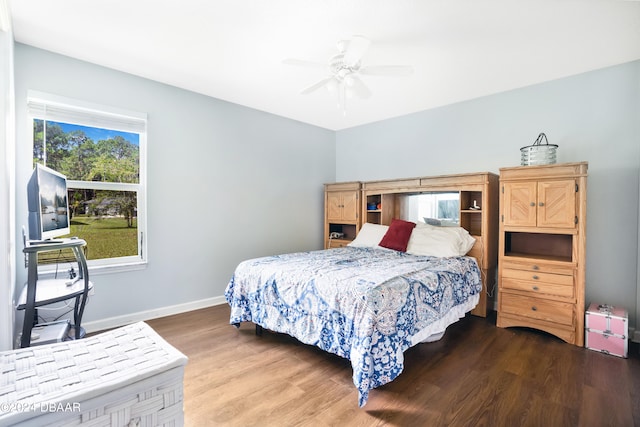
<point>541,250</point>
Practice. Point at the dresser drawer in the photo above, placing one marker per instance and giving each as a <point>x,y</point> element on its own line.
<point>336,243</point>
<point>541,283</point>
<point>558,279</point>
<point>535,266</point>
<point>537,308</point>
<point>538,287</point>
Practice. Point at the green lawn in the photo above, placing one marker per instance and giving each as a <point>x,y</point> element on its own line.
<point>107,237</point>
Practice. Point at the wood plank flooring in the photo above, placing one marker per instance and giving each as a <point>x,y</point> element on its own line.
<point>477,375</point>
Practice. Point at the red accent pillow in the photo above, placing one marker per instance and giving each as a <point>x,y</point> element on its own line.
<point>397,236</point>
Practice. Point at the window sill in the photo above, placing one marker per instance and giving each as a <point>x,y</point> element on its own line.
<point>116,268</point>
<point>96,270</point>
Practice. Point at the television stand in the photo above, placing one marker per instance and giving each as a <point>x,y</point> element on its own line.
<point>38,292</point>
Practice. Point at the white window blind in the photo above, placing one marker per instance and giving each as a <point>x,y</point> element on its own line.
<point>54,108</point>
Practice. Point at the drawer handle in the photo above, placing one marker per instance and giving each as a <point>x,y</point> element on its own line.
<point>535,288</point>
<point>535,267</point>
<point>535,277</point>
<point>534,308</point>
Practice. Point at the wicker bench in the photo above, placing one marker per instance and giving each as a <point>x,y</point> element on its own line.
<point>126,377</point>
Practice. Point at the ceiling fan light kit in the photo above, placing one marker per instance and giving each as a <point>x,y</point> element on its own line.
<point>345,69</point>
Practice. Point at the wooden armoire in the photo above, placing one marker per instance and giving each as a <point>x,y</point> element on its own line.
<point>541,252</point>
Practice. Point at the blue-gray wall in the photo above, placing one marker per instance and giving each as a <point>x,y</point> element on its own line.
<point>593,117</point>
<point>225,182</point>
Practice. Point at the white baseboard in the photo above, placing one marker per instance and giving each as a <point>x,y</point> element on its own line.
<point>116,322</point>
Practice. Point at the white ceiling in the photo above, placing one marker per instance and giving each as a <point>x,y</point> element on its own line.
<point>233,49</point>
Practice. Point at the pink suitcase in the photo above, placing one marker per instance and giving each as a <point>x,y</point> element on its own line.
<point>606,329</point>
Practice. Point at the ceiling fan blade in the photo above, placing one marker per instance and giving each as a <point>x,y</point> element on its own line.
<point>387,70</point>
<point>358,45</point>
<point>358,87</point>
<point>315,86</point>
<point>304,63</point>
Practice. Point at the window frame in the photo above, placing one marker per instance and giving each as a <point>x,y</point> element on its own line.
<point>53,108</point>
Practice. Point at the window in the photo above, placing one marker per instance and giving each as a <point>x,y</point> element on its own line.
<point>101,150</point>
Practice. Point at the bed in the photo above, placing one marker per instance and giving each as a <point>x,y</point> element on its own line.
<point>363,302</point>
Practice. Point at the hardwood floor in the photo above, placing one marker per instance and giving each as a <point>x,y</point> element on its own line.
<point>477,375</point>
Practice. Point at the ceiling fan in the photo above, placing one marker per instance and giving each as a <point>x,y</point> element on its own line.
<point>345,69</point>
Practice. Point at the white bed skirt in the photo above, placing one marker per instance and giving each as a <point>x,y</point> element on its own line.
<point>436,330</point>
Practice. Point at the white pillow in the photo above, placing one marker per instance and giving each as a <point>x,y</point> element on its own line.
<point>369,235</point>
<point>440,241</point>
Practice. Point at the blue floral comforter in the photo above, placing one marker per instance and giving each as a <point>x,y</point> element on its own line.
<point>366,305</point>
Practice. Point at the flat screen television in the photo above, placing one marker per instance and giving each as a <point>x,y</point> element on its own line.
<point>48,204</point>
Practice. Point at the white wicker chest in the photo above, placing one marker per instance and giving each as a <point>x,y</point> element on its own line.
<point>126,377</point>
